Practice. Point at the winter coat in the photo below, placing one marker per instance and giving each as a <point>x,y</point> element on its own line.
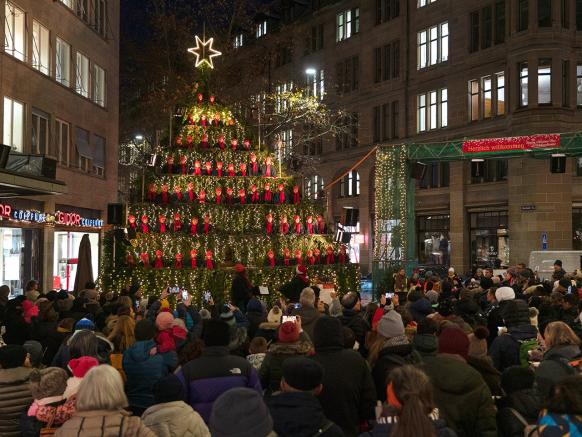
<point>309,316</point>
<point>356,322</point>
<point>348,396</point>
<point>240,292</point>
<point>385,424</point>
<point>63,355</point>
<point>555,367</point>
<point>268,331</point>
<point>191,317</point>
<point>174,419</point>
<point>300,414</point>
<point>143,370</point>
<point>490,374</point>
<point>272,368</point>
<point>101,423</point>
<point>15,397</point>
<point>292,289</point>
<point>59,412</point>
<point>17,330</point>
<point>461,395</point>
<point>213,373</point>
<point>525,402</point>
<point>505,349</point>
<point>559,425</point>
<point>389,359</point>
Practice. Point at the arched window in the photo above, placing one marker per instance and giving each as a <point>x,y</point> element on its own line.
<point>350,185</point>
<point>314,184</point>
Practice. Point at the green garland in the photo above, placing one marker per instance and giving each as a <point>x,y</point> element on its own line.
<point>209,183</point>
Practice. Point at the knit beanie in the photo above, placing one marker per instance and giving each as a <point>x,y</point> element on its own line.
<point>327,332</point>
<point>390,325</point>
<point>80,366</point>
<point>516,378</point>
<point>454,341</point>
<point>240,412</point>
<point>504,293</point>
<point>85,324</point>
<point>168,389</point>
<point>288,332</point>
<point>275,315</point>
<point>35,350</point>
<point>164,320</point>
<point>478,342</point>
<point>145,330</point>
<point>302,373</point>
<point>48,382</point>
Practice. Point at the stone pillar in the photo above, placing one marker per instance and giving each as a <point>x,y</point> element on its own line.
<point>459,227</point>
<point>531,184</point>
<point>48,249</point>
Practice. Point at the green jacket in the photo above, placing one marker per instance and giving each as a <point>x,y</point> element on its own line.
<point>461,395</point>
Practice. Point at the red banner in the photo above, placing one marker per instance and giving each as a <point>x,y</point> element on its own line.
<point>530,142</point>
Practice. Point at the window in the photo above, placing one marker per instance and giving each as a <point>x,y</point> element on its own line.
<point>578,14</point>
<point>377,64</point>
<point>434,116</point>
<point>522,15</point>
<point>347,24</point>
<point>493,170</point>
<point>499,22</point>
<point>68,3</point>
<point>15,31</point>
<point>523,84</point>
<point>82,9</point>
<point>545,82</point>
<point>40,132</point>
<point>544,13</point>
<point>283,56</point>
<point>387,10</point>
<point>40,48</point>
<point>62,135</point>
<point>314,147</point>
<point>98,85</point>
<point>348,75</point>
<point>354,129</point>
<point>84,151</point>
<point>350,185</point>
<point>261,29</point>
<point>63,62</point>
<point>82,75</point>
<point>565,83</point>
<point>564,12</point>
<point>474,34</point>
<point>474,100</point>
<point>433,45</point>
<point>579,85</point>
<point>99,16</point>
<point>377,123</point>
<point>487,83</point>
<point>386,65</point>
<point>395,119</point>
<point>387,62</point>
<point>316,41</point>
<point>98,155</point>
<point>286,146</point>
<point>316,84</point>
<point>487,27</point>
<point>14,124</point>
<point>423,3</point>
<point>314,187</point>
<point>395,59</point>
<point>500,78</point>
<point>486,97</point>
<point>436,175</point>
<point>348,136</point>
<point>385,121</point>
<point>282,91</point>
<point>238,41</point>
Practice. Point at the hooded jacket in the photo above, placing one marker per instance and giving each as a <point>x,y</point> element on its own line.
<point>525,402</point>
<point>462,396</point>
<point>347,401</point>
<point>144,370</point>
<point>174,419</point>
<point>272,368</point>
<point>15,397</point>
<point>389,359</point>
<point>504,350</point>
<point>355,321</point>
<point>555,367</point>
<point>300,414</point>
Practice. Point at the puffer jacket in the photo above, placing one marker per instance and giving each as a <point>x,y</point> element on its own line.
<point>174,419</point>
<point>390,358</point>
<point>272,368</point>
<point>505,349</point>
<point>555,367</point>
<point>15,397</point>
<point>101,423</point>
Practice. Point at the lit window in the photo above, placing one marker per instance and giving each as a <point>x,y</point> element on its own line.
<point>98,155</point>
<point>435,115</point>
<point>40,132</point>
<point>99,85</point>
<point>14,31</point>
<point>523,84</point>
<point>82,9</point>
<point>261,29</point>
<point>433,45</point>
<point>500,93</point>
<point>314,185</point>
<point>545,82</point>
<point>82,75</point>
<point>14,124</point>
<point>63,62</point>
<point>579,85</point>
<point>68,3</point>
<point>316,84</point>
<point>62,135</point>
<point>286,146</point>
<point>100,16</point>
<point>281,92</point>
<point>347,24</point>
<point>487,97</point>
<point>40,48</point>
<point>350,186</point>
<point>474,100</point>
<point>238,41</point>
<point>423,3</point>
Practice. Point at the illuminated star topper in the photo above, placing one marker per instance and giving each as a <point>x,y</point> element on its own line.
<point>204,52</point>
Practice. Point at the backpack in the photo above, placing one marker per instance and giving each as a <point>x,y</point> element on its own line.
<point>525,348</point>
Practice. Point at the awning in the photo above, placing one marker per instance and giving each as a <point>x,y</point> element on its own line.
<point>82,143</point>
<point>13,184</point>
<point>98,151</point>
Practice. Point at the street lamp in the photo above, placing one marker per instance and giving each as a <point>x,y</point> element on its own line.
<point>139,137</point>
<point>310,71</point>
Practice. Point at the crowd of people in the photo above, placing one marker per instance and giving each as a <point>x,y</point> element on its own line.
<point>479,355</point>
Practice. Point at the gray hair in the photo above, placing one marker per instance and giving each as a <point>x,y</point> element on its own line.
<point>307,297</point>
<point>101,389</point>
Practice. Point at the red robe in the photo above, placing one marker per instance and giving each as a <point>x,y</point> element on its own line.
<point>158,263</point>
<point>309,228</point>
<point>271,262</point>
<point>206,228</point>
<point>191,196</point>
<point>164,197</point>
<point>163,228</point>
<point>178,196</point>
<point>284,228</point>
<point>177,225</point>
<point>268,195</point>
<point>197,171</point>
<point>145,228</point>
<point>242,199</point>
<point>296,198</point>
<point>254,168</point>
<point>209,264</point>
<point>255,197</point>
<point>193,263</point>
<point>281,197</point>
<point>269,228</point>
<point>178,264</point>
<point>298,228</point>
<point>330,258</point>
<point>193,229</point>
<point>268,171</point>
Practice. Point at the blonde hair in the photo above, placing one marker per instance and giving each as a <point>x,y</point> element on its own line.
<point>307,297</point>
<point>557,333</point>
<point>125,301</point>
<point>125,329</point>
<point>101,389</point>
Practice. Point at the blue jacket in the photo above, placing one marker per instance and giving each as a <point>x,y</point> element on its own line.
<point>504,350</point>
<point>213,373</point>
<point>144,370</point>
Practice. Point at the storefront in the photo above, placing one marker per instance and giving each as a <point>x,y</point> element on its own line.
<point>434,245</point>
<point>489,238</point>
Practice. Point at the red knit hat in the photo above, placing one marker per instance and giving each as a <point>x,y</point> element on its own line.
<point>454,341</point>
<point>239,268</point>
<point>301,270</point>
<point>288,332</point>
<point>80,366</point>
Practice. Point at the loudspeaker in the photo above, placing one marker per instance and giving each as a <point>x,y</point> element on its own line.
<point>477,169</point>
<point>418,170</point>
<point>558,164</point>
<point>115,214</point>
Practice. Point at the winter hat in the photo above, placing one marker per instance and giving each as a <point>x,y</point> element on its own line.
<point>558,262</point>
<point>454,341</point>
<point>228,317</point>
<point>85,324</point>
<point>327,332</point>
<point>239,268</point>
<point>288,332</point>
<point>301,270</point>
<point>145,330</point>
<point>516,378</point>
<point>478,342</point>
<point>254,306</point>
<point>504,293</point>
<point>168,389</point>
<point>565,283</point>
<point>421,308</point>
<point>390,325</point>
<point>12,356</point>
<point>48,382</point>
<point>274,315</point>
<point>216,333</point>
<point>516,313</point>
<point>80,366</point>
<point>205,314</point>
<point>301,373</point>
<point>35,350</point>
<point>164,320</point>
<point>432,296</point>
<point>240,412</point>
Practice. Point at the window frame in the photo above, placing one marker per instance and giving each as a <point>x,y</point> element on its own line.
<point>523,79</point>
<point>41,48</point>
<point>38,116</point>
<point>99,86</point>
<point>545,65</point>
<point>79,70</point>
<point>434,111</point>
<point>15,47</point>
<point>347,24</point>
<point>59,67</point>
<point>59,125</point>
<point>10,121</point>
<point>433,38</point>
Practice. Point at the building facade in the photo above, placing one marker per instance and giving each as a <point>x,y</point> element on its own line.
<point>424,72</point>
<point>59,82</point>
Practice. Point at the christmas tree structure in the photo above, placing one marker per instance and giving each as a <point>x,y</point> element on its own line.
<point>215,199</point>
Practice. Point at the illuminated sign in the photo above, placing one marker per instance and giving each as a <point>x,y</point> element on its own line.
<point>5,210</point>
<point>60,218</point>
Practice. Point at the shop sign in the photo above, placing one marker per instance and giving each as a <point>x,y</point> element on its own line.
<point>512,144</point>
<point>74,219</point>
<point>60,217</point>
<point>28,215</point>
<point>528,208</point>
<point>5,210</point>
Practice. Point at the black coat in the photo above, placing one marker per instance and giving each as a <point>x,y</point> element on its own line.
<point>240,292</point>
<point>300,414</point>
<point>389,359</point>
<point>526,403</point>
<point>356,322</point>
<point>17,330</point>
<point>291,290</point>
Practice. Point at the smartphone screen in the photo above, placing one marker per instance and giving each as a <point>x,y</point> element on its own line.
<point>207,296</point>
<point>184,295</point>
<point>389,295</point>
<point>289,319</point>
